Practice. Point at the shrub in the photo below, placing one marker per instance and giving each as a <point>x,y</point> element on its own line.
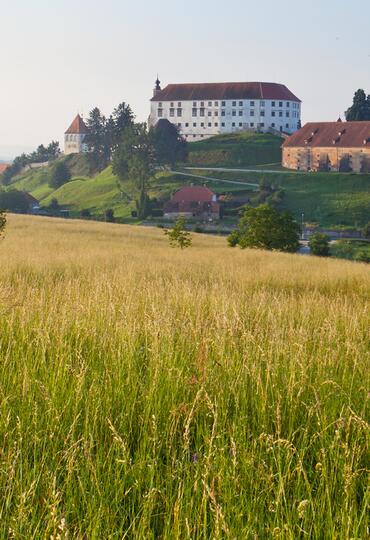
<point>59,175</point>
<point>178,237</point>
<point>319,244</point>
<point>109,215</point>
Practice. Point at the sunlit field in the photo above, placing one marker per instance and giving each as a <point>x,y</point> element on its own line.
<point>148,392</point>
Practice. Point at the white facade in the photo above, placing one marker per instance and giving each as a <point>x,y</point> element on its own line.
<point>198,119</point>
<point>74,143</point>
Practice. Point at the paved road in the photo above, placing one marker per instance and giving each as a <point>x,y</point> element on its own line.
<point>241,183</point>
<point>223,169</point>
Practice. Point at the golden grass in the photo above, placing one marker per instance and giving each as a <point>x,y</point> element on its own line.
<point>149,392</point>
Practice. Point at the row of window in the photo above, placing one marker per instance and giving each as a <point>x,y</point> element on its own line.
<point>223,113</point>
<point>215,124</point>
<point>234,104</point>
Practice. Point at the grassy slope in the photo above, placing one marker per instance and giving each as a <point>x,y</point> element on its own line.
<point>244,149</point>
<point>150,392</point>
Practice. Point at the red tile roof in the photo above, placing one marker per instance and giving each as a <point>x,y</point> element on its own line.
<point>193,194</point>
<point>78,126</point>
<point>3,167</point>
<point>336,134</point>
<point>225,91</point>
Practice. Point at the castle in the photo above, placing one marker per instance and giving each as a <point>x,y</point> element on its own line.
<point>74,137</point>
<point>209,109</point>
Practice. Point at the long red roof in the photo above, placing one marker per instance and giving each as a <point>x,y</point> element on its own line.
<point>193,194</point>
<point>78,126</point>
<point>225,91</point>
<point>335,134</point>
<point>3,167</point>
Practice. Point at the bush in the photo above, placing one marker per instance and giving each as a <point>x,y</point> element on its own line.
<point>54,205</point>
<point>319,244</point>
<point>363,256</point>
<point>59,175</point>
<point>177,236</point>
<point>109,215</point>
<point>14,201</point>
<point>85,213</point>
<point>366,230</point>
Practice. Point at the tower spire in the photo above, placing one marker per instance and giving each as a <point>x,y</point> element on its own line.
<point>157,87</point>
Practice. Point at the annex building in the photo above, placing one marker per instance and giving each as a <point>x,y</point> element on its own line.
<point>75,136</point>
<point>205,110</point>
<point>329,146</point>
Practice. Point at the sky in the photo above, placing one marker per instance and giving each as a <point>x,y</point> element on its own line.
<point>60,57</point>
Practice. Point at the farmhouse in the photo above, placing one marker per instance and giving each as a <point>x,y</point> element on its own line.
<point>75,136</point>
<point>3,167</point>
<point>205,110</point>
<point>329,146</point>
<point>193,201</point>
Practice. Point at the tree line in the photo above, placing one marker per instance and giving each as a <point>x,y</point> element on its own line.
<point>42,154</point>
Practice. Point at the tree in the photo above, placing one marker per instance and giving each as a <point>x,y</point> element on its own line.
<point>14,201</point>
<point>319,244</point>
<point>59,175</point>
<point>360,109</point>
<point>96,140</point>
<point>2,222</point>
<point>54,205</point>
<point>85,213</point>
<point>169,145</point>
<point>123,117</point>
<point>135,160</point>
<point>363,256</point>
<point>178,236</point>
<point>265,227</point>
<point>366,230</point>
<point>109,215</point>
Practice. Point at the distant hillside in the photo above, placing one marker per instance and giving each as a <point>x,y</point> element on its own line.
<point>236,150</point>
<point>330,199</point>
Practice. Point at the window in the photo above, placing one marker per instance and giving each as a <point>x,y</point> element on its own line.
<point>273,124</point>
<point>287,126</point>
<point>240,104</point>
<point>262,103</point>
<point>252,124</point>
<point>160,113</point>
<point>251,113</point>
<point>262,124</point>
<point>172,105</point>
<point>194,136</point>
<point>187,124</point>
<point>222,124</point>
<point>179,125</point>
<point>216,103</point>
<point>202,103</point>
<point>234,113</point>
<point>240,113</point>
<point>194,103</point>
<point>234,103</point>
<point>288,103</point>
<point>172,112</point>
<point>209,124</point>
<point>209,113</point>
<point>216,124</point>
<point>223,113</point>
<point>223,103</point>
<point>262,113</point>
<point>160,105</point>
<point>202,124</point>
<point>273,113</point>
<point>179,104</point>
<point>280,103</point>
<point>233,124</point>
<point>240,124</point>
<point>280,114</point>
<point>287,114</point>
<point>209,103</point>
<point>179,112</point>
<point>272,103</point>
<point>252,103</point>
<point>194,124</point>
<point>201,112</point>
<point>216,113</point>
<point>194,112</point>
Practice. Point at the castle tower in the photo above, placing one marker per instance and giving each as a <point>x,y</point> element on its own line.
<point>157,87</point>
<point>74,137</point>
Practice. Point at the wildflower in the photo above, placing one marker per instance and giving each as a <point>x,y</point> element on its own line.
<point>318,467</point>
<point>195,458</point>
<point>302,508</point>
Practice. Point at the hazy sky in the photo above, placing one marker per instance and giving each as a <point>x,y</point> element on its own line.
<point>61,57</point>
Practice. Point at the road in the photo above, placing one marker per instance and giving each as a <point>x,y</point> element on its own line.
<point>220,180</point>
<point>224,169</point>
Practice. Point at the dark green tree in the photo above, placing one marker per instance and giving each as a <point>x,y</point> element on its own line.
<point>123,117</point>
<point>109,215</point>
<point>169,145</point>
<point>360,109</point>
<point>60,174</point>
<point>265,227</point>
<point>178,236</point>
<point>319,244</point>
<point>96,139</point>
<point>14,200</point>
<point>366,230</point>
<point>54,205</point>
<point>135,159</point>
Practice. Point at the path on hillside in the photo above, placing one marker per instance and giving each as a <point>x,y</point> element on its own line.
<point>219,180</point>
<point>224,169</point>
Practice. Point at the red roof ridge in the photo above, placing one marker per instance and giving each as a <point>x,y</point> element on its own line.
<point>77,127</point>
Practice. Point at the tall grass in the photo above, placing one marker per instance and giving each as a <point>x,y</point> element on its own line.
<point>150,393</point>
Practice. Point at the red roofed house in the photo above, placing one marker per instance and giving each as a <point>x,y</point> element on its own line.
<point>193,201</point>
<point>208,109</point>
<point>75,136</point>
<point>329,146</point>
<point>3,167</point>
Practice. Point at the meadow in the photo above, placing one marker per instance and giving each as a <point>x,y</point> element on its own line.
<point>148,392</point>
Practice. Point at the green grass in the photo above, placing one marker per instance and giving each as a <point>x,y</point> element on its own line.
<point>148,392</point>
<point>236,150</point>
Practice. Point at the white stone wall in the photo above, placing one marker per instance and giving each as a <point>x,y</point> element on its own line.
<point>201,119</point>
<point>74,143</point>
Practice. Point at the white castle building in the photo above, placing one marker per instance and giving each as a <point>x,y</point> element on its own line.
<point>75,136</point>
<point>205,110</point>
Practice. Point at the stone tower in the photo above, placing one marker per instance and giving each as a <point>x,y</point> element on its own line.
<point>75,136</point>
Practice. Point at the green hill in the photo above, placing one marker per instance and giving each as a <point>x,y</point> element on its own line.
<point>235,150</point>
<point>330,199</point>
